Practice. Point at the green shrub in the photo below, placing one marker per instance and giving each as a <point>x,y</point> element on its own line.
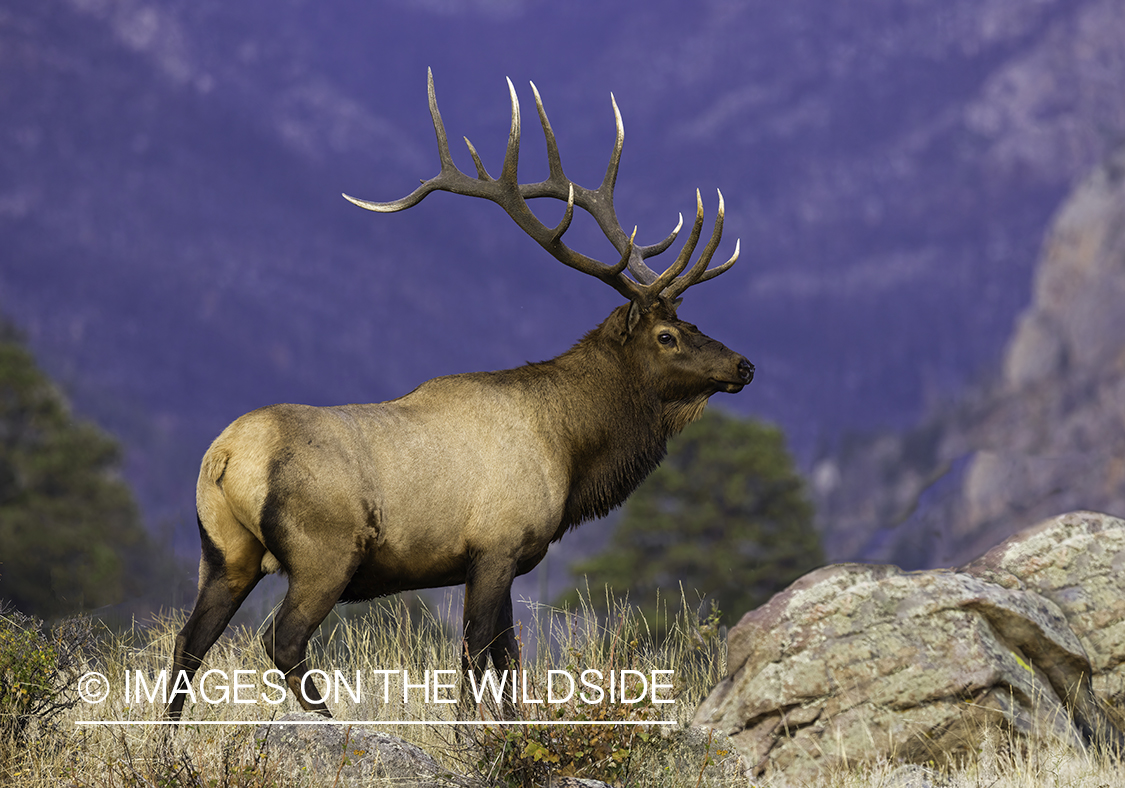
<point>528,755</point>
<point>604,741</point>
<point>39,671</point>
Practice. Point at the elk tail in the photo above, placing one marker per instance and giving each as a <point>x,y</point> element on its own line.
<point>215,465</point>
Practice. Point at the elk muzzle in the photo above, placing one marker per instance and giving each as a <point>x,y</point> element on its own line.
<point>744,371</point>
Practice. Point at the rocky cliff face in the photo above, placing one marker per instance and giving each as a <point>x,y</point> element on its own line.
<point>1052,438</point>
<point>1047,436</point>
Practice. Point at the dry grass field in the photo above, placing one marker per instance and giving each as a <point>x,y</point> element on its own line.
<point>622,743</point>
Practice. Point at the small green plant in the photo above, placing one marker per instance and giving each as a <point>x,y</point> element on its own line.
<point>529,754</point>
<point>38,671</point>
<point>606,741</point>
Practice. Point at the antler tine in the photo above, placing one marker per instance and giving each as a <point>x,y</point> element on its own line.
<point>662,246</point>
<point>444,156</point>
<point>637,267</point>
<point>668,278</point>
<point>554,161</point>
<point>597,202</point>
<point>693,276</point>
<point>674,284</point>
<point>568,215</point>
<point>482,173</point>
<point>627,255</point>
<point>557,180</point>
<point>711,273</point>
<point>509,172</point>
<point>439,127</point>
<point>618,145</point>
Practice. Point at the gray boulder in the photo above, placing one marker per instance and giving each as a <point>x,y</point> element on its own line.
<point>856,662</point>
<point>1077,561</point>
<point>360,756</point>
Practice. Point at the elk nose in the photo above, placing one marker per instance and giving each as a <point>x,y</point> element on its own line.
<point>745,371</point>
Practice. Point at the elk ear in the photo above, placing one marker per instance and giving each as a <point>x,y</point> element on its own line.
<point>633,317</point>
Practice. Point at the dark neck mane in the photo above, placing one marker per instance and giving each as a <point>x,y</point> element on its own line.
<point>609,422</point>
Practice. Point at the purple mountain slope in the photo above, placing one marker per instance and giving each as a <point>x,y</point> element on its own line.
<point>174,243</point>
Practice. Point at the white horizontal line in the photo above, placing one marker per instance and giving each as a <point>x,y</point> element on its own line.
<point>374,723</point>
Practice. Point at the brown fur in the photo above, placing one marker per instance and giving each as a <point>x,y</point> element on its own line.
<point>467,479</point>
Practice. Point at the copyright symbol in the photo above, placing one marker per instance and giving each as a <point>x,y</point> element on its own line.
<point>93,687</point>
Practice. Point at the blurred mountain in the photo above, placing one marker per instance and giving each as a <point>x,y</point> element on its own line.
<point>1043,438</point>
<point>173,242</point>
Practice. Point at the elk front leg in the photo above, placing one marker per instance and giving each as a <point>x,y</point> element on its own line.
<point>488,624</point>
<point>504,648</point>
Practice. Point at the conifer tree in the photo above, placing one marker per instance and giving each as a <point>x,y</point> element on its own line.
<point>69,529</point>
<point>725,515</point>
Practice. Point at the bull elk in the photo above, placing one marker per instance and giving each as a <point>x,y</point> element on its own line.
<point>468,478</point>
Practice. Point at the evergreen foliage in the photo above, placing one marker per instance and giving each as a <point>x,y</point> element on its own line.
<point>725,515</point>
<point>68,526</point>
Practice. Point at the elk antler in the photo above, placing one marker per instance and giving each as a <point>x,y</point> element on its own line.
<point>512,196</point>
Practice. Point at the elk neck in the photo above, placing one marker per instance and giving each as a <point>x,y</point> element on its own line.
<point>597,407</point>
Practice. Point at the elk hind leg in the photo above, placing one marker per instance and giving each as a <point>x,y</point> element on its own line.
<point>226,578</point>
<point>305,606</point>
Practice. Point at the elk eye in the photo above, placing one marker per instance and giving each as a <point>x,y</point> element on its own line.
<point>665,338</point>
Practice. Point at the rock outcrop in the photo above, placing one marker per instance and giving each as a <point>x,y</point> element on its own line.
<point>854,662</point>
<point>1077,562</point>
